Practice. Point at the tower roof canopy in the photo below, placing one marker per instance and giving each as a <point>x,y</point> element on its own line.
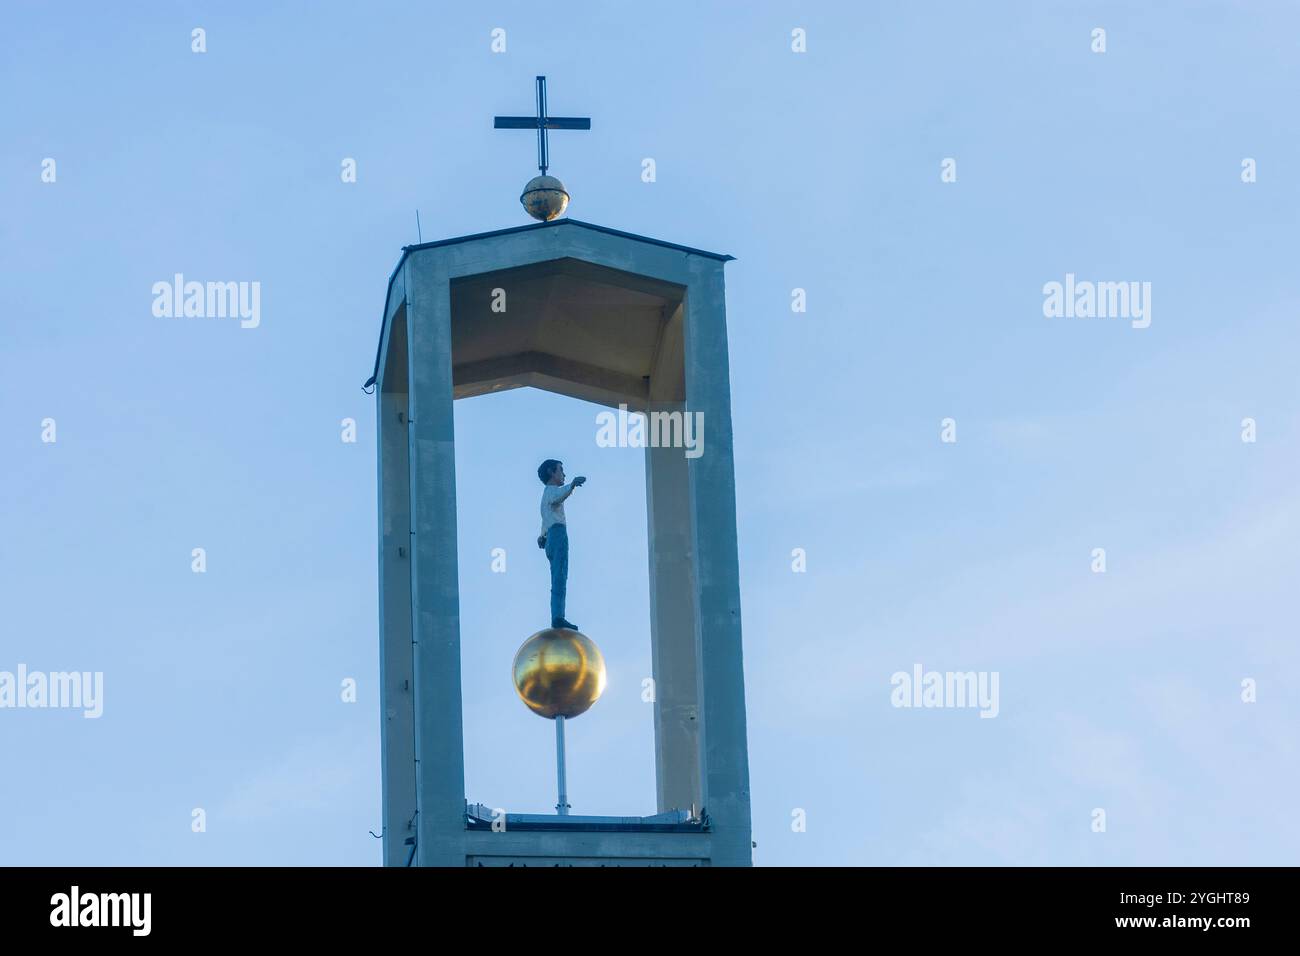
<point>567,306</point>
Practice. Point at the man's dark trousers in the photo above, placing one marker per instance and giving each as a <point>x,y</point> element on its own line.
<point>557,552</point>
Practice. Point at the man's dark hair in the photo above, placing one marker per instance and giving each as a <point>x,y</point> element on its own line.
<point>546,469</point>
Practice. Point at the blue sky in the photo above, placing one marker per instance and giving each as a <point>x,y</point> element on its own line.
<point>819,171</point>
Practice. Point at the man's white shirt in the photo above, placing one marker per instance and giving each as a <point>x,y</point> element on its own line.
<point>553,506</point>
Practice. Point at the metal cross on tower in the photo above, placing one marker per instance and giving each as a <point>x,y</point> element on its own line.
<point>542,122</point>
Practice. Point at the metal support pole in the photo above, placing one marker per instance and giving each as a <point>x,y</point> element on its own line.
<point>562,808</point>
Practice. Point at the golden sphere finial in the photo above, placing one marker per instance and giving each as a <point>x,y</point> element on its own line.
<point>545,198</point>
<point>559,673</point>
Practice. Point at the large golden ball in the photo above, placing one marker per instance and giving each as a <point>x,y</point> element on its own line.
<point>545,198</point>
<point>559,673</point>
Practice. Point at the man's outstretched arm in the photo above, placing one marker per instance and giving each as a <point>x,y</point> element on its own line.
<point>568,490</point>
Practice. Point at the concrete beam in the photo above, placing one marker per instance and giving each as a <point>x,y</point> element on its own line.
<point>672,628</point>
<point>435,603</point>
<point>553,373</point>
<point>396,675</point>
<point>725,774</point>
<point>588,848</point>
<point>668,368</point>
